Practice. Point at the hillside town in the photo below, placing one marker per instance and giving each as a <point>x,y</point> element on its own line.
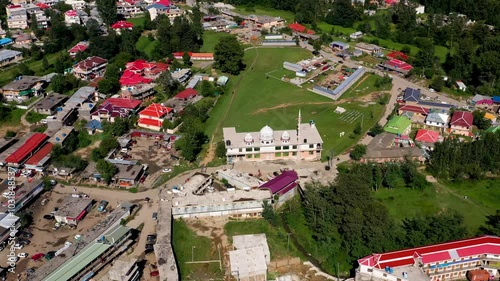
<point>261,140</point>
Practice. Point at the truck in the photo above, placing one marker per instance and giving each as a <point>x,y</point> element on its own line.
<point>478,275</point>
<point>102,206</point>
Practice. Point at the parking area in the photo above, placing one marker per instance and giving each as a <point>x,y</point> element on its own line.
<point>157,154</point>
<point>43,238</point>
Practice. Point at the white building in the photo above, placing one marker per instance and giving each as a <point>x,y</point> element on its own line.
<point>128,8</point>
<point>304,143</point>
<point>78,5</point>
<point>356,35</point>
<point>437,119</point>
<point>248,264</point>
<point>124,271</point>
<point>420,9</point>
<point>17,18</point>
<point>461,86</point>
<point>71,17</point>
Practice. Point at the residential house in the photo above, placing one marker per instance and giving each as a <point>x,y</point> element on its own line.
<point>128,175</point>
<point>115,107</point>
<point>480,99</point>
<point>222,81</point>
<point>397,55</point>
<point>9,56</point>
<point>339,45</point>
<point>156,9</point>
<point>411,96</point>
<point>39,161</point>
<point>181,75</point>
<point>491,117</point>
<point>427,137</point>
<point>151,70</point>
<point>94,126</point>
<point>417,110</point>
<point>187,94</point>
<point>83,95</point>
<point>128,8</point>
<point>80,47</point>
<point>438,118</point>
<point>398,66</point>
<point>194,56</point>
<point>369,48</point>
<point>73,209</point>
<point>90,68</point>
<point>16,155</point>
<point>23,39</point>
<point>78,5</point>
<point>356,35</point>
<point>60,137</point>
<point>17,17</point>
<point>5,42</point>
<point>23,88</point>
<point>266,21</point>
<point>298,28</point>
<point>122,25</point>
<point>383,148</point>
<point>139,91</point>
<point>33,10</point>
<point>152,117</point>
<point>399,125</point>
<point>219,25</point>
<point>461,123</point>
<point>50,103</point>
<point>72,17</point>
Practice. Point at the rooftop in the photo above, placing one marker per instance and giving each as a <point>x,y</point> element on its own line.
<point>412,95</point>
<point>51,101</point>
<point>31,144</point>
<point>82,95</point>
<point>252,240</point>
<point>428,136</point>
<point>128,171</point>
<point>41,156</point>
<point>7,54</point>
<point>90,63</point>
<point>123,103</point>
<point>397,125</point>
<point>22,84</point>
<point>243,179</point>
<point>156,110</point>
<point>71,207</point>
<point>382,147</point>
<point>462,118</point>
<point>281,182</point>
<point>60,136</point>
<point>120,269</point>
<point>248,262</point>
<point>187,94</point>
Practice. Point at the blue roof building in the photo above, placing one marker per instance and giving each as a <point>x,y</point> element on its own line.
<point>411,95</point>
<point>93,126</point>
<point>496,99</point>
<point>5,41</point>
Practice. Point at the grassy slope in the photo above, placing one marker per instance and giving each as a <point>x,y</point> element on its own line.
<point>210,39</point>
<point>7,74</point>
<point>482,199</point>
<point>184,239</point>
<point>365,86</point>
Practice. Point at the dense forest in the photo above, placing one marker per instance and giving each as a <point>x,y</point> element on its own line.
<point>343,222</point>
<point>456,160</point>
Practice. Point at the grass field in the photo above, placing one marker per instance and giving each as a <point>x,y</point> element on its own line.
<point>34,117</point>
<point>365,86</point>
<point>187,247</point>
<point>276,236</point>
<point>7,74</point>
<point>210,39</point>
<point>137,21</point>
<point>276,103</point>
<point>256,10</point>
<point>14,117</point>
<point>482,199</point>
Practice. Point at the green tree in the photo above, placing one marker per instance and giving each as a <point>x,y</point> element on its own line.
<point>109,86</point>
<point>207,89</point>
<point>268,214</point>
<point>492,225</point>
<point>107,10</point>
<point>24,69</point>
<point>343,13</point>
<point>228,55</point>
<point>376,130</point>
<point>10,134</point>
<point>479,121</point>
<point>34,23</point>
<point>357,130</point>
<point>186,59</point>
<point>357,152</point>
<point>437,83</point>
<point>45,63</point>
<point>107,170</point>
<point>220,150</point>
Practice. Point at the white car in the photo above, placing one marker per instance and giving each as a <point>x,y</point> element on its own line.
<point>19,246</point>
<point>22,255</point>
<point>432,90</point>
<point>166,170</point>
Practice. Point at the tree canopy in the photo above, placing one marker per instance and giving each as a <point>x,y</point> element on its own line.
<point>228,55</point>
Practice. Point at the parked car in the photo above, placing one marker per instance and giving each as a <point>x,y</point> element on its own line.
<point>49,217</point>
<point>22,255</point>
<point>18,246</point>
<point>166,170</point>
<point>38,256</point>
<point>50,255</point>
<point>13,259</point>
<point>27,235</point>
<point>151,239</point>
<point>44,201</point>
<point>155,216</point>
<point>24,242</point>
<point>30,270</point>
<point>102,206</point>
<point>149,247</point>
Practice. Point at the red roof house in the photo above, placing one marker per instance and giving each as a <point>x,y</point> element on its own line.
<point>42,6</point>
<point>461,123</point>
<point>297,27</point>
<point>427,136</point>
<point>124,103</point>
<point>397,55</point>
<point>129,78</point>
<point>186,94</point>
<point>30,146</point>
<point>413,108</point>
<point>152,117</point>
<point>80,47</point>
<point>40,158</point>
<point>437,260</point>
<point>282,184</point>
<point>115,108</point>
<point>122,25</point>
<point>90,68</point>
<point>398,65</point>
<point>195,56</point>
<point>148,69</point>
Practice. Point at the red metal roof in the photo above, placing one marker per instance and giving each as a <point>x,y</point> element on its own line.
<point>281,182</point>
<point>122,24</point>
<point>155,110</point>
<point>427,136</point>
<point>398,55</point>
<point>123,103</point>
<point>432,253</point>
<point>90,63</point>
<point>462,118</point>
<point>399,64</point>
<point>202,55</point>
<point>130,78</point>
<point>78,48</point>
<point>71,13</point>
<point>297,27</point>
<point>414,108</point>
<point>150,122</point>
<point>40,154</point>
<point>28,147</point>
<point>187,94</point>
<point>42,6</point>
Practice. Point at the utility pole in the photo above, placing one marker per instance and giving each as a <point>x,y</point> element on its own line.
<point>192,253</point>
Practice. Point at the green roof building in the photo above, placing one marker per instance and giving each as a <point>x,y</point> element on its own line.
<point>75,265</point>
<point>399,125</point>
<point>493,129</point>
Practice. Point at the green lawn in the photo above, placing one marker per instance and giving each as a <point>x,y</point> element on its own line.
<point>137,21</point>
<point>365,86</point>
<point>256,96</point>
<point>276,236</point>
<point>7,74</point>
<point>14,117</point>
<point>34,117</point>
<point>187,247</point>
<point>482,199</point>
<point>261,11</point>
<point>210,39</point>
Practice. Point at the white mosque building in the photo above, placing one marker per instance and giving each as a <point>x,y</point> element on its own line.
<point>304,143</point>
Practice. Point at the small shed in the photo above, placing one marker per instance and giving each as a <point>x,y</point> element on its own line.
<point>339,45</point>
<point>461,86</point>
<point>340,110</point>
<point>222,81</point>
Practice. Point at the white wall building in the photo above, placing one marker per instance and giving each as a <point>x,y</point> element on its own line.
<point>78,5</point>
<point>305,143</point>
<point>420,9</point>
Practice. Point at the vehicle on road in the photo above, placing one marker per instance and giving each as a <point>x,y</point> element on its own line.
<point>155,216</point>
<point>102,206</point>
<point>151,239</point>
